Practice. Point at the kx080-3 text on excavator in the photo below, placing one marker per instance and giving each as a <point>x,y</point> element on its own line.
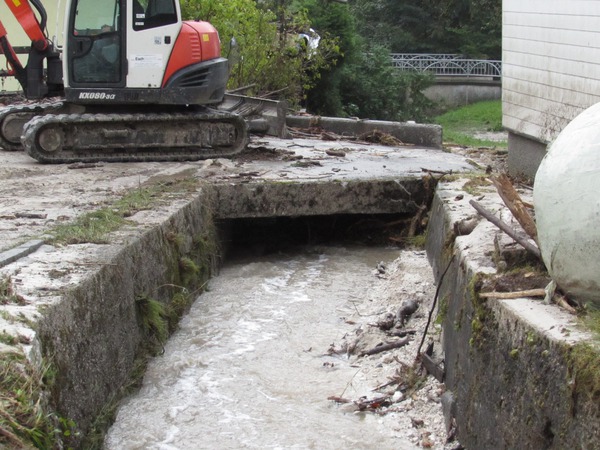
<point>133,82</point>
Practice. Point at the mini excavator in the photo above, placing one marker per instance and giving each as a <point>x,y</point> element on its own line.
<point>132,82</point>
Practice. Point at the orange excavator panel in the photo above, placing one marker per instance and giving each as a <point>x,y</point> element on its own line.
<point>197,42</point>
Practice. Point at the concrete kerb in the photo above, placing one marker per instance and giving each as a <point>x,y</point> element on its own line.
<point>22,250</point>
<point>508,363</point>
<point>427,135</point>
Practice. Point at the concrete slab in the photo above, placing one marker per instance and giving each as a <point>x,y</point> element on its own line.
<point>35,197</point>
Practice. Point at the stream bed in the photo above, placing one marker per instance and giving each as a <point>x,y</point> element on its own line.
<point>251,365</point>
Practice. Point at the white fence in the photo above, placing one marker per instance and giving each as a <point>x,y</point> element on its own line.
<point>447,65</point>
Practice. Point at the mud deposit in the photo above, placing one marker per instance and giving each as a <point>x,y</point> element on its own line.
<point>256,360</point>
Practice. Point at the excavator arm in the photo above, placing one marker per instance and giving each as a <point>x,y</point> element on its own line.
<point>15,68</point>
<point>32,78</point>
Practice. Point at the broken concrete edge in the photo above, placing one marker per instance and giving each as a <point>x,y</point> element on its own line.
<point>426,135</point>
<point>513,369</point>
<point>13,254</point>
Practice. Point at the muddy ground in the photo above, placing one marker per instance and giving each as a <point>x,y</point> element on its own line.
<point>395,383</point>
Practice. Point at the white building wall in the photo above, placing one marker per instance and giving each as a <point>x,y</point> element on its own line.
<point>17,37</point>
<point>551,64</point>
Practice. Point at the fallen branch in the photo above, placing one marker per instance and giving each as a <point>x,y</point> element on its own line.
<point>30,216</point>
<point>336,399</point>
<point>335,152</point>
<point>402,333</point>
<point>384,385</point>
<point>506,228</point>
<point>513,201</point>
<point>374,403</point>
<point>514,294</point>
<point>386,347</point>
<point>562,302</point>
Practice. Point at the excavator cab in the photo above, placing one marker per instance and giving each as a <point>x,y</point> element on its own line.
<point>95,44</point>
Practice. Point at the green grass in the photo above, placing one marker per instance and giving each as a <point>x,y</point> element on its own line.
<point>461,124</point>
<point>94,227</point>
<point>23,422</point>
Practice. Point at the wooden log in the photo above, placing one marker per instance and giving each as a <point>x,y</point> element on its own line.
<point>514,294</point>
<point>386,347</point>
<point>513,201</point>
<point>507,229</point>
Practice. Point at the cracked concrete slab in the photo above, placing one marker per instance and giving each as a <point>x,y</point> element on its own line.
<point>35,197</point>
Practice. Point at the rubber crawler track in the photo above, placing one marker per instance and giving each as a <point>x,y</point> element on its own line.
<point>70,124</point>
<point>33,109</point>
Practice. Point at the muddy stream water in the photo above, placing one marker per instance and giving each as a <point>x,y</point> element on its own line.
<point>249,366</point>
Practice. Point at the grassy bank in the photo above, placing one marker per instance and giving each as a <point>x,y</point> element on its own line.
<point>469,124</point>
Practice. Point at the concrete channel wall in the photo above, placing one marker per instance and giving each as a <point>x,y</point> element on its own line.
<point>92,334</point>
<point>517,371</point>
<point>509,374</point>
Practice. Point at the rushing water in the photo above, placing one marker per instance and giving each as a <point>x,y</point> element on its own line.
<point>246,368</point>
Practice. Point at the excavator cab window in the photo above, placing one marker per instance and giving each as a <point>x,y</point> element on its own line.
<point>153,13</point>
<point>96,52</point>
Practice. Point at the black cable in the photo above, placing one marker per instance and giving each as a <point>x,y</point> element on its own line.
<point>437,291</point>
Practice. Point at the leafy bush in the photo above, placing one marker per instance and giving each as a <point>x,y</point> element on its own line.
<point>267,53</point>
<point>373,88</point>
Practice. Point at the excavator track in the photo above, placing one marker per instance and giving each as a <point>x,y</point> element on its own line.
<point>188,136</point>
<point>14,117</point>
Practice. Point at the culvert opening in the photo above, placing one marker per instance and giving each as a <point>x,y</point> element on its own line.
<point>262,236</point>
<point>279,333</point>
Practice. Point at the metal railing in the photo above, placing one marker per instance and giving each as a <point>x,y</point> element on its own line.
<point>447,65</point>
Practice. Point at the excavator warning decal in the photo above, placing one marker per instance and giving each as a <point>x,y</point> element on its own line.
<point>147,61</point>
<point>206,37</point>
<point>17,3</point>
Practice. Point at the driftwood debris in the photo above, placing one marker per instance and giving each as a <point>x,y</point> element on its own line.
<point>25,215</point>
<point>514,294</point>
<point>402,333</point>
<point>513,202</point>
<point>364,403</point>
<point>430,365</point>
<point>507,229</point>
<point>385,347</point>
<point>335,152</point>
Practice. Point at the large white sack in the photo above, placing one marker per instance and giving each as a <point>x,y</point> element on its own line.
<point>566,198</point>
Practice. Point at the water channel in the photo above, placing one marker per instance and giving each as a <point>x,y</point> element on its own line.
<point>248,366</point>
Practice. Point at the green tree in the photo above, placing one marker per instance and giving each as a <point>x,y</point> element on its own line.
<point>374,89</point>
<point>469,27</point>
<point>363,82</point>
<point>261,55</point>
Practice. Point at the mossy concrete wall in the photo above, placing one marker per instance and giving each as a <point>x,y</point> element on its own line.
<point>512,366</point>
<point>90,330</point>
<point>375,196</point>
<point>92,335</point>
